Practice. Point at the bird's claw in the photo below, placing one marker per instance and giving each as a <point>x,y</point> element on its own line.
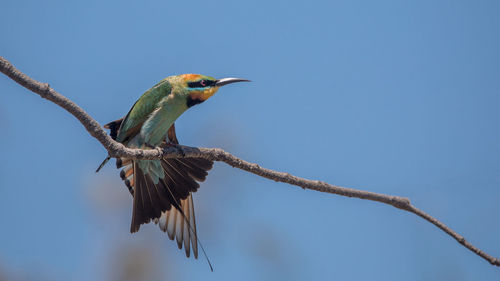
<point>181,150</point>
<point>178,147</point>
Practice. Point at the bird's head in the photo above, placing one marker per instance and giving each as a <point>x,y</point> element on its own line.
<point>200,87</point>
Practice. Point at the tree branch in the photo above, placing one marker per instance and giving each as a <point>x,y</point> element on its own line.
<point>116,149</point>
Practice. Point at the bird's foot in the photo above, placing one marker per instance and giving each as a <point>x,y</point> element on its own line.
<point>178,147</point>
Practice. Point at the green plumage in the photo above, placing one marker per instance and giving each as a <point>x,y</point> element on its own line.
<point>162,188</point>
<point>150,101</point>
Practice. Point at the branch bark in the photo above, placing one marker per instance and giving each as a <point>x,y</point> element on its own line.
<point>116,149</point>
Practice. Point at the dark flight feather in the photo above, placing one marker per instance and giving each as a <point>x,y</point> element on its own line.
<point>155,201</point>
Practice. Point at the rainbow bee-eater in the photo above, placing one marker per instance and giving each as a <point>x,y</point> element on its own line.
<point>162,188</point>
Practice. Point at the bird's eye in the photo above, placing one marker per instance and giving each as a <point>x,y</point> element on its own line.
<point>203,83</point>
<point>209,83</point>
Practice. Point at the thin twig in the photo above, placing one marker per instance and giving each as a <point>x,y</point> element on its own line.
<point>116,149</point>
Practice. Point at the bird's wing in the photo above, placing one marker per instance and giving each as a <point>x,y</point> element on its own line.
<point>141,110</point>
<point>113,127</point>
<point>154,201</point>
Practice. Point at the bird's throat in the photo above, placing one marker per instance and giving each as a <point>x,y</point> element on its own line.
<point>198,96</point>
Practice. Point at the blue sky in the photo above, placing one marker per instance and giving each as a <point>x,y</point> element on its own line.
<point>397,97</point>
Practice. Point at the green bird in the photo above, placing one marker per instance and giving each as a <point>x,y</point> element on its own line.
<point>162,188</point>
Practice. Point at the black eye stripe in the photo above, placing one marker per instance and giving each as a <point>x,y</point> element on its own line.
<point>194,84</point>
<point>201,84</point>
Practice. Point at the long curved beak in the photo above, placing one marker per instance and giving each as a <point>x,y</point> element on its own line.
<point>225,81</point>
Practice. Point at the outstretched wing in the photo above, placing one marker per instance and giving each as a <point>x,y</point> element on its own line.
<point>155,201</point>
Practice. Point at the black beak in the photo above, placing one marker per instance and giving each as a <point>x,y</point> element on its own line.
<point>225,81</point>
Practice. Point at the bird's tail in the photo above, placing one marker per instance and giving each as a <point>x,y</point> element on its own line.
<point>154,196</point>
<point>166,200</point>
